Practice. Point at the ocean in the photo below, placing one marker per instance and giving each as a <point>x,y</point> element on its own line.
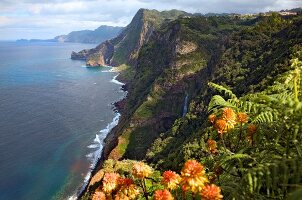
<point>54,115</point>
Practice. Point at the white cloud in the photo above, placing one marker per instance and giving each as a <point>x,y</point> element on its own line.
<point>54,8</point>
<point>5,21</point>
<point>53,17</point>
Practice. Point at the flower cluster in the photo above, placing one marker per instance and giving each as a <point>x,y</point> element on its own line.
<point>170,180</point>
<point>163,195</point>
<point>211,192</point>
<point>192,179</point>
<point>193,176</point>
<point>229,116</point>
<point>113,185</point>
<point>212,146</point>
<point>141,170</point>
<point>110,182</point>
<point>226,122</point>
<point>99,195</point>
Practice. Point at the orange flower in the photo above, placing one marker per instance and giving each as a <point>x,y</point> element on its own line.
<point>229,116</point>
<point>193,176</point>
<point>98,195</point>
<point>141,170</point>
<point>170,180</point>
<point>163,195</point>
<point>220,126</point>
<point>251,130</point>
<point>212,146</point>
<point>211,192</point>
<point>110,182</point>
<point>242,117</point>
<point>128,190</point>
<point>212,118</point>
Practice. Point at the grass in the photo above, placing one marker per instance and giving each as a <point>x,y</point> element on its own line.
<point>126,72</point>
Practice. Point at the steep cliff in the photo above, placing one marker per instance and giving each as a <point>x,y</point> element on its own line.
<point>165,112</point>
<point>125,47</point>
<point>177,63</point>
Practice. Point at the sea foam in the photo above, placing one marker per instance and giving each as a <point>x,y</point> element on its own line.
<point>116,81</point>
<point>98,144</point>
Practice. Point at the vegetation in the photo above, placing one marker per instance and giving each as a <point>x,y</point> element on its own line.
<point>136,180</point>
<point>242,77</point>
<point>251,148</point>
<point>251,145</point>
<point>127,72</point>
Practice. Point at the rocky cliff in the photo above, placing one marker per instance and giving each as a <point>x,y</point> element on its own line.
<point>125,47</point>
<point>164,113</point>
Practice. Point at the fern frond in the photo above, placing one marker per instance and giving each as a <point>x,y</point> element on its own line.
<point>266,117</point>
<point>271,177</point>
<point>217,102</point>
<point>223,90</point>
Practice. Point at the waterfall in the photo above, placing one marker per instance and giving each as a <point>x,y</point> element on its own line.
<point>185,108</point>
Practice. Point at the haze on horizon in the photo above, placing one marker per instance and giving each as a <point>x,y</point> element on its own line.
<point>44,19</point>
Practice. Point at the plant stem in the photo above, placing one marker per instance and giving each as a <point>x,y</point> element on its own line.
<point>144,189</point>
<point>296,89</point>
<point>223,142</point>
<point>240,137</point>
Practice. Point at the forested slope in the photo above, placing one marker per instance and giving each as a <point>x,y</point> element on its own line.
<point>223,91</point>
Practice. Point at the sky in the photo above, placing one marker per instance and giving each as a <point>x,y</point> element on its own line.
<point>44,19</point>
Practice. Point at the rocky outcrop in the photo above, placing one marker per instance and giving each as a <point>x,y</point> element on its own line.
<point>102,55</point>
<point>185,47</point>
<point>82,55</point>
<point>124,48</point>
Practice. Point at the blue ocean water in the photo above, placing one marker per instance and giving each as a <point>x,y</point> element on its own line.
<point>51,109</point>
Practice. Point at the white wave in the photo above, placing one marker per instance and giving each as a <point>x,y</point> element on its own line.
<point>116,81</point>
<point>90,155</point>
<point>73,197</point>
<point>97,139</point>
<point>98,143</point>
<point>110,70</point>
<point>93,146</point>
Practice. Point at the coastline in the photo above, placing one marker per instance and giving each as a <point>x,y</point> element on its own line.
<point>107,143</point>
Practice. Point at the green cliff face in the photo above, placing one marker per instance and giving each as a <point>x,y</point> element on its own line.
<point>124,48</point>
<point>180,59</point>
<point>248,60</point>
<point>171,71</point>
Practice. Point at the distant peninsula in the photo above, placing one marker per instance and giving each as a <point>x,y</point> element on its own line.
<point>98,35</point>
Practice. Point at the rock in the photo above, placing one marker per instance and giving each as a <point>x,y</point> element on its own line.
<point>82,55</point>
<point>185,47</point>
<point>124,48</point>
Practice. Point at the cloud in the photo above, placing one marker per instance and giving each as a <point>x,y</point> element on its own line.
<point>55,8</point>
<point>45,18</point>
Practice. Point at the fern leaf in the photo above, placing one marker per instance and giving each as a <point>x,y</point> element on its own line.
<point>265,117</point>
<point>223,90</point>
<point>218,102</point>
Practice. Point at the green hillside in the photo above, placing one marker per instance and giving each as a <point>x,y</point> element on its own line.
<point>239,78</point>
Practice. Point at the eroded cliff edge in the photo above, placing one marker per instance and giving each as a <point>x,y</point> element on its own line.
<point>124,48</point>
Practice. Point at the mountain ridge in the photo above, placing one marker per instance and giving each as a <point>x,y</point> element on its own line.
<point>100,34</point>
<point>171,74</point>
<point>124,48</point>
